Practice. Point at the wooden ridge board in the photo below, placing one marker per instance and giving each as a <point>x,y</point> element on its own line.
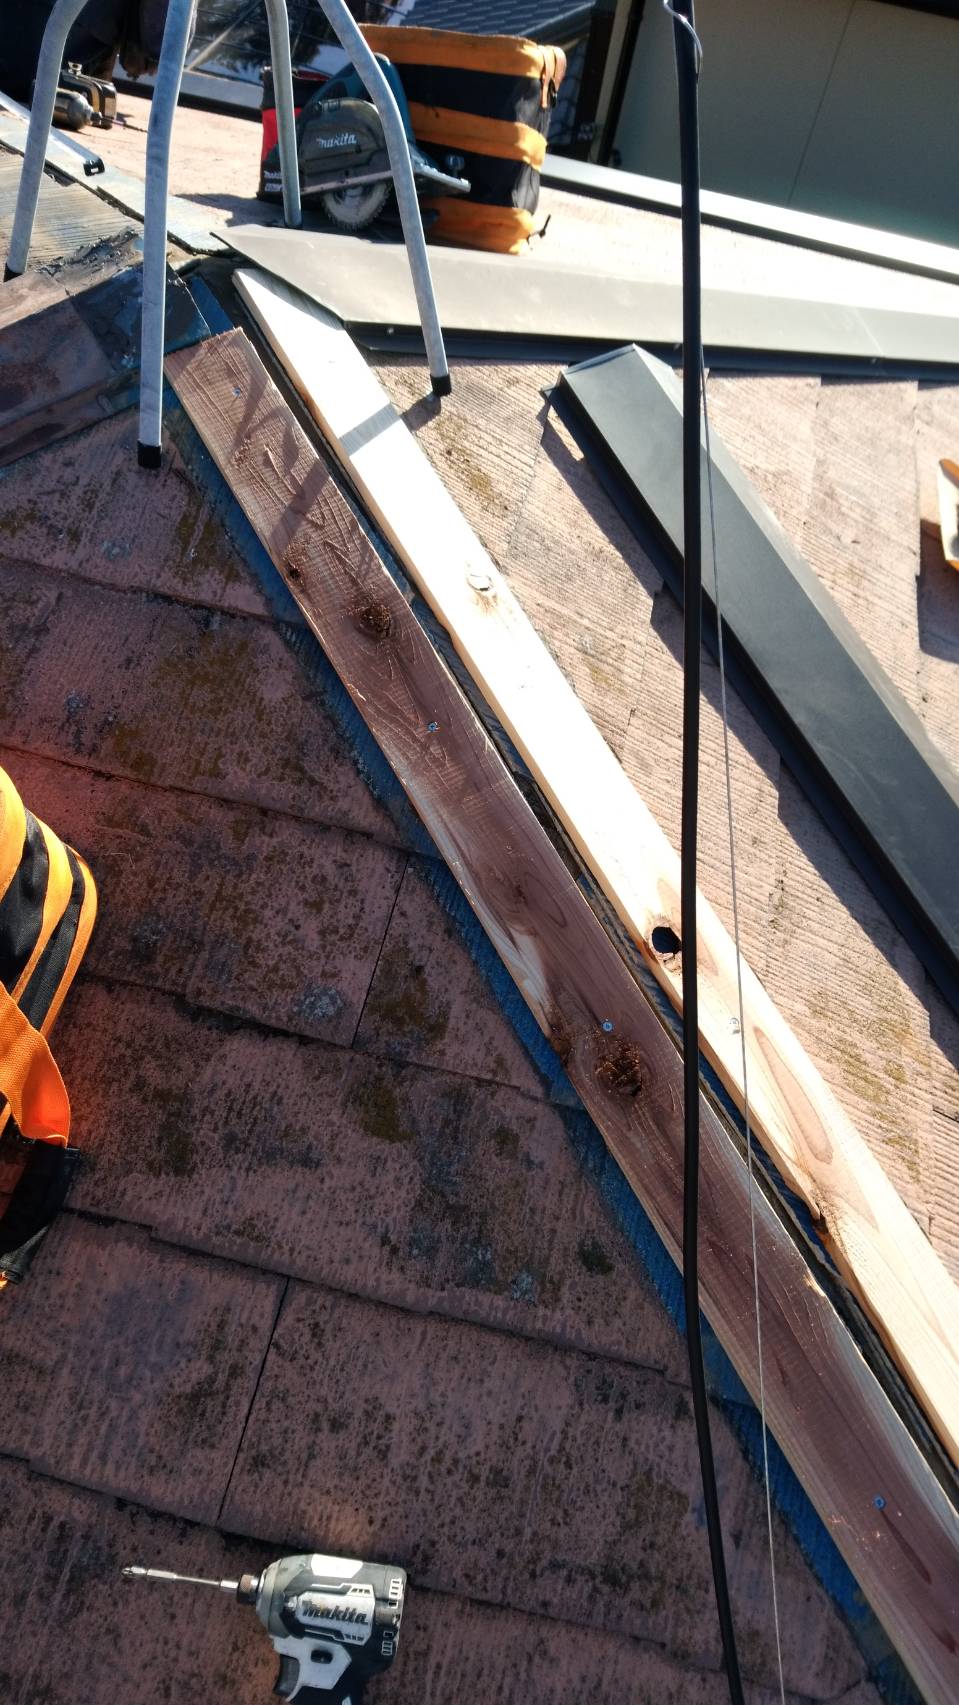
<point>857,747</point>
<point>881,1252</point>
<point>76,359</point>
<point>492,301</point>
<point>888,1514</point>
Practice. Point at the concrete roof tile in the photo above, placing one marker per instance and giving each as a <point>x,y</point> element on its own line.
<point>82,507</point>
<point>510,1471</point>
<point>175,696</point>
<point>378,1178</point>
<point>429,1002</point>
<point>257,915</point>
<point>155,1644</point>
<point>129,1367</point>
<point>75,1633</point>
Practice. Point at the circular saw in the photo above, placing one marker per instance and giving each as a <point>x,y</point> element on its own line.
<point>343,158</point>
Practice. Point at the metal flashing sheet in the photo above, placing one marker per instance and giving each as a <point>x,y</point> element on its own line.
<point>186,225</point>
<point>76,361</point>
<point>493,299</point>
<point>857,748</point>
<point>758,218</point>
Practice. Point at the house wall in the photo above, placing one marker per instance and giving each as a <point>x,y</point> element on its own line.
<point>840,107</point>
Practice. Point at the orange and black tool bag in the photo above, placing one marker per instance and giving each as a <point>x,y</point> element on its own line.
<point>489,99</point>
<point>48,902</point>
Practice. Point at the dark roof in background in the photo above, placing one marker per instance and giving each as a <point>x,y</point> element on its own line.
<point>243,43</point>
<point>501,17</point>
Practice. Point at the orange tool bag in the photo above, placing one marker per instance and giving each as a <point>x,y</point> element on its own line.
<point>489,99</point>
<point>48,902</point>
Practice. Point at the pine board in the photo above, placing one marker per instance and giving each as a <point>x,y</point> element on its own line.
<point>866,1226</point>
<point>887,1513</point>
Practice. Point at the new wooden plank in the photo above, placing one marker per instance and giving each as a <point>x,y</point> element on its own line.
<point>862,1219</point>
<point>889,1517</point>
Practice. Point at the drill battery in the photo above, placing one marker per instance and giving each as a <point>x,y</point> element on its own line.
<point>100,93</point>
<point>82,99</point>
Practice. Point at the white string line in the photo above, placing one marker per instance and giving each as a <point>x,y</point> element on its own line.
<point>742,1028</point>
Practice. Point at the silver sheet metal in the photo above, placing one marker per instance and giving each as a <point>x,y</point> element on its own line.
<point>527,297</point>
<point>760,218</point>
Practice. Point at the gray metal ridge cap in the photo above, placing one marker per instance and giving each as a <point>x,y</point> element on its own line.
<point>759,218</point>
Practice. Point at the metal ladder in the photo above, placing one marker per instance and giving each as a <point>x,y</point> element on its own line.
<point>159,135</point>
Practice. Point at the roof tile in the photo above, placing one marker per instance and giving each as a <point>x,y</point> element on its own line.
<point>429,1002</point>
<point>155,1644</point>
<point>257,915</point>
<point>422,1188</point>
<point>482,1463</point>
<point>179,697</point>
<point>83,507</point>
<point>130,1368</point>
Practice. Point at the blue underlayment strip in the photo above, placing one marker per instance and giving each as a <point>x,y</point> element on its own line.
<point>885,1668</point>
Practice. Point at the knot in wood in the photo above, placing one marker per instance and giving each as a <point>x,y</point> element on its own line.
<point>622,1069</point>
<point>375,619</point>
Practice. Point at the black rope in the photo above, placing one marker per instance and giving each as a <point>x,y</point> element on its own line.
<point>687,53</point>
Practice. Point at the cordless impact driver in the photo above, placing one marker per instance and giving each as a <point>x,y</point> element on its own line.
<point>334,1621</point>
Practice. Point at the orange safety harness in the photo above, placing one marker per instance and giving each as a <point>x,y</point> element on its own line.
<point>48,902</point>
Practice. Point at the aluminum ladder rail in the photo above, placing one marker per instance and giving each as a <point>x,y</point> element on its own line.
<point>159,135</point>
<point>363,59</point>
